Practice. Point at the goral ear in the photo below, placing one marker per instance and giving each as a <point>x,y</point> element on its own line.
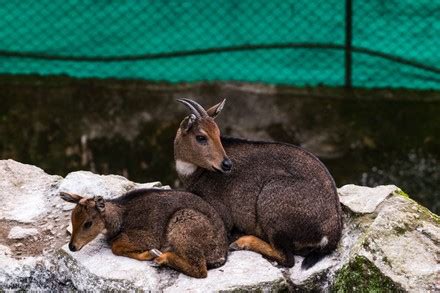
<point>70,197</point>
<point>216,109</point>
<point>188,123</point>
<point>99,203</point>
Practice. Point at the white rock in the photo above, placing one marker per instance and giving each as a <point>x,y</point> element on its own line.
<point>13,271</point>
<point>25,191</point>
<point>89,184</point>
<point>156,184</point>
<point>86,183</point>
<point>18,232</point>
<point>362,199</point>
<point>95,266</point>
<point>393,234</point>
<point>244,270</point>
<point>395,246</point>
<point>400,239</point>
<point>31,196</point>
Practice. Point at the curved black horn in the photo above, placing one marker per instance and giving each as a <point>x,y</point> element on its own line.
<point>199,108</point>
<point>191,107</point>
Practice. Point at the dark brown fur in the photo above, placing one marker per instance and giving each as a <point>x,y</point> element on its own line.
<point>185,228</point>
<point>277,192</point>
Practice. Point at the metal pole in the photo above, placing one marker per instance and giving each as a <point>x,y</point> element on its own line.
<point>348,42</point>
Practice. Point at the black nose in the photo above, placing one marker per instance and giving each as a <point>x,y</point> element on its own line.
<point>72,247</point>
<point>226,165</point>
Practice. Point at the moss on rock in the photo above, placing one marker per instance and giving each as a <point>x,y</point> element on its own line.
<point>428,215</point>
<point>423,211</point>
<point>402,193</point>
<point>360,275</point>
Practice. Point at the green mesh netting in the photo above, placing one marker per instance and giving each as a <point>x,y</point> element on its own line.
<point>396,43</point>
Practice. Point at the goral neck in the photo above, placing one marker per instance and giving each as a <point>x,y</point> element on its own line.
<point>188,173</point>
<point>112,219</point>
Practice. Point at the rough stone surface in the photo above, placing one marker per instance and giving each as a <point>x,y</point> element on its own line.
<point>18,232</point>
<point>95,266</point>
<point>389,243</point>
<point>30,203</point>
<point>244,270</point>
<point>399,239</point>
<point>25,191</point>
<point>89,184</point>
<point>362,199</point>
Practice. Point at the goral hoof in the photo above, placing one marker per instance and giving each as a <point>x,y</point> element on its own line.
<point>155,252</point>
<point>234,247</point>
<point>155,265</point>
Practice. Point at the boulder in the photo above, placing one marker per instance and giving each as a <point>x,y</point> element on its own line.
<point>389,243</point>
<point>89,184</point>
<point>26,192</point>
<point>95,266</point>
<point>244,271</point>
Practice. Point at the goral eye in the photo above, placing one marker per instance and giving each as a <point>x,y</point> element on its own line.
<point>87,224</point>
<point>201,139</point>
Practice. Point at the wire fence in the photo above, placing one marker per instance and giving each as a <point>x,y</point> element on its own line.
<point>372,44</point>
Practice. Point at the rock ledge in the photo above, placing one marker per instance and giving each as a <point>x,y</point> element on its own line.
<point>389,243</point>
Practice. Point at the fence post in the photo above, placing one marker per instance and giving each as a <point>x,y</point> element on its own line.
<point>348,42</point>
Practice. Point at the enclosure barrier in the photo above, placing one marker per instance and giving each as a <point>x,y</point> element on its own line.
<point>352,43</point>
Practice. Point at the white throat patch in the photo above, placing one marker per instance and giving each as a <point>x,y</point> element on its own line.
<point>185,168</point>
